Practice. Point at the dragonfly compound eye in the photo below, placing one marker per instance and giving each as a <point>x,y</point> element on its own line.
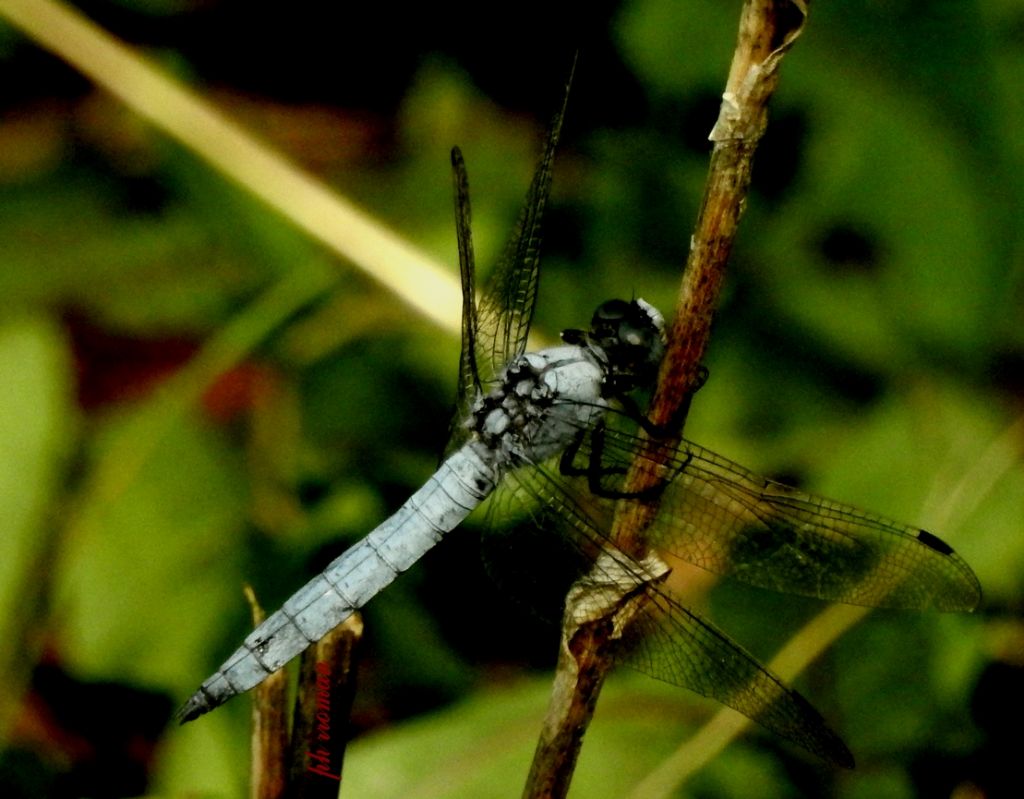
<point>622,320</point>
<point>604,325</point>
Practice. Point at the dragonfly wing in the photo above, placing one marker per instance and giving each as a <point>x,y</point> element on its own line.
<point>728,520</point>
<point>470,385</point>
<point>672,644</point>
<point>506,308</point>
<point>664,639</point>
<point>494,332</point>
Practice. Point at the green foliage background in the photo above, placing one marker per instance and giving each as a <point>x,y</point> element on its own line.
<point>870,344</point>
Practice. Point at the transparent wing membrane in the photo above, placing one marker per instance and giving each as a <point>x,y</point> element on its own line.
<point>721,517</point>
<point>506,308</point>
<point>664,640</point>
<point>494,332</point>
<point>672,644</point>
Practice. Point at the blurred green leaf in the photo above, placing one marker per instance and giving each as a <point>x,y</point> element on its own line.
<point>145,580</point>
<point>37,428</point>
<point>143,273</point>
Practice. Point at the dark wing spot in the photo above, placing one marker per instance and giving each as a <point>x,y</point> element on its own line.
<point>934,542</point>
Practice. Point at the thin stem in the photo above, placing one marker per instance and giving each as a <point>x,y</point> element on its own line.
<point>269,750</point>
<point>767,30</point>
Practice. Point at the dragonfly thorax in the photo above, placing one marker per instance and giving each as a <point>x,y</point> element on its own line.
<point>542,402</point>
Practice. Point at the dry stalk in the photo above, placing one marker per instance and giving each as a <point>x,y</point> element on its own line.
<point>767,30</point>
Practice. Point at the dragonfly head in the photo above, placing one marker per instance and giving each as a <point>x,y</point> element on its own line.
<point>631,339</point>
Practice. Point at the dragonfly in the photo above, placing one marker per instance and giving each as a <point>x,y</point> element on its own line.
<point>554,432</point>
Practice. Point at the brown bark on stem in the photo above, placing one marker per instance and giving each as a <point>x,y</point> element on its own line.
<point>767,30</point>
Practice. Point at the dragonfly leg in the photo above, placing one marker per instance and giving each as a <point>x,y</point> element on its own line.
<point>595,470</point>
<point>632,410</point>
